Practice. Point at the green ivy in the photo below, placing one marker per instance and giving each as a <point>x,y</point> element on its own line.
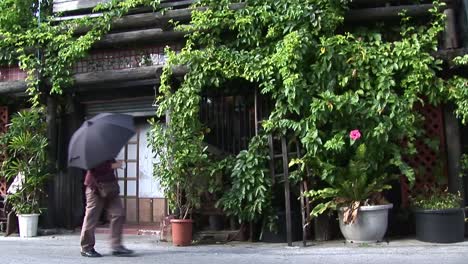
<point>250,193</point>
<point>323,83</point>
<point>47,50</point>
<point>182,166</point>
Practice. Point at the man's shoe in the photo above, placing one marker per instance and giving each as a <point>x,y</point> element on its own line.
<point>122,251</point>
<point>90,253</point>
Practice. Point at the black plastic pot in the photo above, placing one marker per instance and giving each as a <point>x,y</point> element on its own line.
<point>323,227</point>
<point>216,222</point>
<point>281,235</point>
<point>440,226</point>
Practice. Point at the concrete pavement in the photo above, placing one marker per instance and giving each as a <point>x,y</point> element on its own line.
<point>64,249</point>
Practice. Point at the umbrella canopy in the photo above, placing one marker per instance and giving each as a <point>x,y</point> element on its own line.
<point>99,139</point>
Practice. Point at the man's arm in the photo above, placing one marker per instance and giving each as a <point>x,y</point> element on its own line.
<point>117,164</point>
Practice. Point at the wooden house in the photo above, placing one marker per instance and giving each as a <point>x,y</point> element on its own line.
<point>121,75</point>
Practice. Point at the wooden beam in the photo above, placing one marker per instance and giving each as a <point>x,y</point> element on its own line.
<point>50,215</point>
<point>384,13</point>
<point>88,96</point>
<point>117,85</point>
<point>384,2</point>
<point>152,19</point>
<point>178,4</point>
<point>141,73</point>
<point>123,77</point>
<point>450,32</point>
<point>117,75</point>
<point>149,19</point>
<point>76,206</point>
<point>158,19</point>
<point>12,87</point>
<point>161,19</point>
<point>154,35</point>
<point>448,55</point>
<point>81,5</point>
<point>373,2</point>
<point>66,6</point>
<point>287,191</point>
<point>303,216</point>
<point>454,150</point>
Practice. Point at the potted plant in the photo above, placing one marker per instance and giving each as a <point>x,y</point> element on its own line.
<point>25,144</point>
<point>439,218</point>
<point>464,174</point>
<point>355,184</point>
<point>180,168</point>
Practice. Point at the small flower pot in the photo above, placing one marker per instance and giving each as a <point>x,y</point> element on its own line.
<point>181,232</point>
<point>440,226</point>
<point>28,224</point>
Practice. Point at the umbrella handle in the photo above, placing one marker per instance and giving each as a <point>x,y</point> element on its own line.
<point>74,158</point>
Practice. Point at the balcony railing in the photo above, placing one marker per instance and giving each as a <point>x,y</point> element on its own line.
<point>8,74</point>
<point>105,60</point>
<point>123,59</point>
<point>83,6</point>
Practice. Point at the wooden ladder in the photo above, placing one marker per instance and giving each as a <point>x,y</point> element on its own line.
<point>282,150</point>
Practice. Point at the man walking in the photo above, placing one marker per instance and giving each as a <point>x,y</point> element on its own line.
<point>102,191</point>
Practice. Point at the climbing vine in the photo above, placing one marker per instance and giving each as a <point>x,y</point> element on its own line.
<point>324,81</point>
<point>47,50</point>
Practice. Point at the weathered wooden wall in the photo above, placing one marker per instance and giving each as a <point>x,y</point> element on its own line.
<point>3,123</point>
<point>84,5</point>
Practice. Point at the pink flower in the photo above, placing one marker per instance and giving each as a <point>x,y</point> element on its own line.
<point>355,134</point>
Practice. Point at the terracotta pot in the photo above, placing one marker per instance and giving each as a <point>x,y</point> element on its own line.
<point>181,232</point>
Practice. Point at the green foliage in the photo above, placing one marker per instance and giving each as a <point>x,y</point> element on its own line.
<point>463,164</point>
<point>25,150</point>
<point>436,199</point>
<point>461,60</point>
<point>360,180</point>
<point>250,194</point>
<point>181,166</point>
<point>17,15</point>
<point>322,83</point>
<point>457,92</point>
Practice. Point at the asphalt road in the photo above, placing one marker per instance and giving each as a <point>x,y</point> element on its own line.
<point>64,249</point>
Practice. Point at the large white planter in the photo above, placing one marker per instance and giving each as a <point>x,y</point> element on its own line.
<point>28,224</point>
<point>370,226</point>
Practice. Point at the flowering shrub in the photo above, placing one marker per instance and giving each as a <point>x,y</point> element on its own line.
<point>359,181</point>
<point>322,79</point>
<point>355,134</point>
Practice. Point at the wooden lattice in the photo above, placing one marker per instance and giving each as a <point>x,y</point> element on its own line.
<point>3,118</point>
<point>3,123</point>
<point>427,163</point>
<point>11,74</point>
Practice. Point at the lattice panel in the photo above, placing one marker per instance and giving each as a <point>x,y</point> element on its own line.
<point>11,74</point>
<point>3,187</point>
<point>426,163</point>
<point>3,123</point>
<point>3,118</point>
<point>117,59</point>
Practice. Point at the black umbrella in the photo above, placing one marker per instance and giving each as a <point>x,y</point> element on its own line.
<point>99,139</point>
